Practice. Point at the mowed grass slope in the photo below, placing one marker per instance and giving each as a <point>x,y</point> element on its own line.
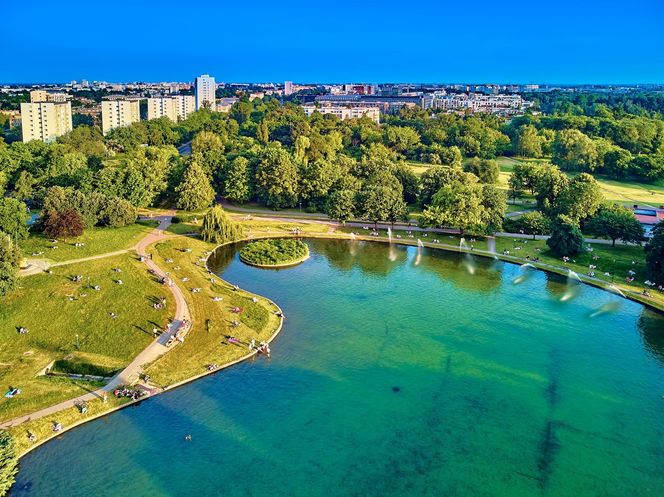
<point>105,344</point>
<point>207,342</point>
<point>96,241</point>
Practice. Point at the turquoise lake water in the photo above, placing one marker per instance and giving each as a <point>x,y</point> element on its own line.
<point>397,373</point>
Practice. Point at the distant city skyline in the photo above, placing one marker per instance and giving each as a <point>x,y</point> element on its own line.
<point>518,42</point>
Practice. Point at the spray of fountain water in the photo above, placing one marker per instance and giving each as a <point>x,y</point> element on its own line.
<point>418,258</point>
<point>353,244</point>
<point>608,308</point>
<point>617,291</point>
<point>392,253</point>
<point>527,271</point>
<point>573,286</point>
<point>468,261</point>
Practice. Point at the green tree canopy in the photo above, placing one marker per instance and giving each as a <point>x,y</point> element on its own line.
<point>195,191</point>
<point>13,218</point>
<point>218,227</point>
<point>655,254</point>
<point>9,261</point>
<point>277,178</point>
<point>616,222</point>
<point>566,238</point>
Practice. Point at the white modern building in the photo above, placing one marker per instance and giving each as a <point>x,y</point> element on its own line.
<point>45,121</point>
<point>176,108</point>
<point>117,112</point>
<point>205,92</point>
<point>288,88</point>
<point>495,104</point>
<point>341,112</point>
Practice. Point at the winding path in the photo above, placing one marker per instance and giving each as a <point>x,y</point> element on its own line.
<point>152,352</point>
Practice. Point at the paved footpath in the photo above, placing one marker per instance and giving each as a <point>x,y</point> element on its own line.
<point>152,352</point>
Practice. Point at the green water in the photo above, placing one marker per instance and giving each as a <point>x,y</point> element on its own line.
<point>397,374</point>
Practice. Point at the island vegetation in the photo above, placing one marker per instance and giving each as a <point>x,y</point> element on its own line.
<point>274,252</point>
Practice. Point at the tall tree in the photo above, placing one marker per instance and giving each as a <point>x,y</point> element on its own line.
<point>9,262</point>
<point>14,218</point>
<point>64,224</point>
<point>574,151</point>
<point>566,238</point>
<point>195,191</point>
<point>277,178</point>
<point>458,206</point>
<point>616,222</point>
<point>236,182</point>
<point>655,254</point>
<point>487,170</point>
<point>581,198</point>
<point>218,227</point>
<point>341,206</point>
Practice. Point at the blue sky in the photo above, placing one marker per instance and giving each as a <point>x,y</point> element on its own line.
<point>559,41</point>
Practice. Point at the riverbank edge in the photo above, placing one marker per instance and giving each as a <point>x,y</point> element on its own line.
<point>174,385</point>
<point>450,248</point>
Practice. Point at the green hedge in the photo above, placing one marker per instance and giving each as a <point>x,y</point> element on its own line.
<point>274,252</point>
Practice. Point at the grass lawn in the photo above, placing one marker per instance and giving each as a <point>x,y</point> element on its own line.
<point>42,305</point>
<point>96,240</point>
<point>257,226</point>
<point>623,192</point>
<point>42,428</point>
<point>212,321</point>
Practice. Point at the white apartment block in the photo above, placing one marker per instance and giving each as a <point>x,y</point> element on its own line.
<point>288,88</point>
<point>45,121</point>
<point>205,92</point>
<point>356,112</point>
<point>118,112</point>
<point>176,108</point>
<point>496,104</point>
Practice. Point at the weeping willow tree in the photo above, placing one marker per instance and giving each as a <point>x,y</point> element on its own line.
<point>219,228</point>
<point>8,462</point>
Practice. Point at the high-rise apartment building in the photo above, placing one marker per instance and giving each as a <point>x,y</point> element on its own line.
<point>45,121</point>
<point>205,92</point>
<point>44,96</point>
<point>176,108</point>
<point>288,88</point>
<point>119,111</point>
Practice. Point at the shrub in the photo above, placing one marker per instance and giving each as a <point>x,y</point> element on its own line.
<point>274,252</point>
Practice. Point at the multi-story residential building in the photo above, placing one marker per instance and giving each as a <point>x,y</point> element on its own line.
<point>342,112</point>
<point>205,92</point>
<point>176,108</point>
<point>353,89</point>
<point>45,121</point>
<point>288,88</point>
<point>496,104</point>
<point>386,104</point>
<point>45,96</point>
<point>119,111</point>
<point>225,104</point>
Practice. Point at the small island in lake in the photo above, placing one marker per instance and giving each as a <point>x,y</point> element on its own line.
<point>275,253</point>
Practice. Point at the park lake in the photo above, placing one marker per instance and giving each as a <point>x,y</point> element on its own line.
<point>399,371</point>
